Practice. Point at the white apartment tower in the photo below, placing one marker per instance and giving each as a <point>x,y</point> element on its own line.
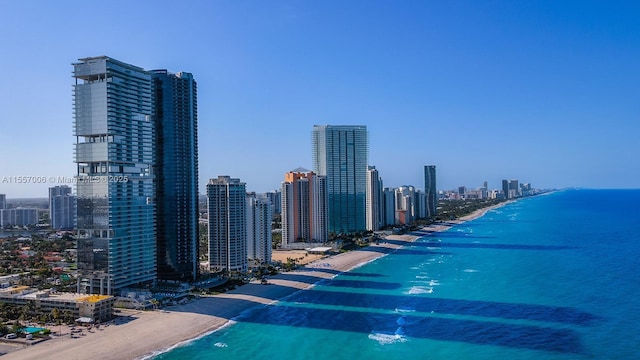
<point>259,215</point>
<point>62,208</point>
<point>226,202</point>
<point>389,206</point>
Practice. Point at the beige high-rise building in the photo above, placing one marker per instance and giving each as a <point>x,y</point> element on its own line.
<point>304,208</point>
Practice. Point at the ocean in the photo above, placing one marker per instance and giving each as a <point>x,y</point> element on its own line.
<point>547,277</point>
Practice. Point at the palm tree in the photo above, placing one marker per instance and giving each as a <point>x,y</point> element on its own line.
<point>24,313</point>
<point>16,327</point>
<point>55,315</point>
<point>68,316</point>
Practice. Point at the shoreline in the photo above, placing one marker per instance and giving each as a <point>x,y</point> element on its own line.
<point>481,212</point>
<point>146,334</point>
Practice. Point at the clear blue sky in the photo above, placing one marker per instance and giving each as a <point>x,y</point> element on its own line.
<point>547,92</point>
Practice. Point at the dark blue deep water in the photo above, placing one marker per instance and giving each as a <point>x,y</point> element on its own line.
<point>549,277</point>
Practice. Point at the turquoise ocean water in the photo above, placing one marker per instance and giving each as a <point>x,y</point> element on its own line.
<point>549,277</point>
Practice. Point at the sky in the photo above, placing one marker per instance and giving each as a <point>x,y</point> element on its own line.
<point>546,92</point>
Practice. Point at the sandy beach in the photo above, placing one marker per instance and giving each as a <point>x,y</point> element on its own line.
<point>480,212</point>
<point>141,334</point>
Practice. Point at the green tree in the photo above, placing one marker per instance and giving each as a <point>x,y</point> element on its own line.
<point>67,316</point>
<point>276,239</point>
<point>55,315</point>
<point>17,327</point>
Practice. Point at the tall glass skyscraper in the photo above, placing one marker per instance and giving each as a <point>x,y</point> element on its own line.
<point>340,152</point>
<point>114,130</point>
<point>374,199</point>
<point>226,202</point>
<point>176,171</point>
<point>430,191</point>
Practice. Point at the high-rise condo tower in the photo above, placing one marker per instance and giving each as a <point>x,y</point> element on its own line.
<point>430,191</point>
<point>340,152</point>
<point>114,130</point>
<point>176,170</point>
<point>304,208</point>
<point>226,201</point>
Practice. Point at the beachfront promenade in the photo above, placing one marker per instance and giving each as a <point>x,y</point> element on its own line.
<point>140,334</point>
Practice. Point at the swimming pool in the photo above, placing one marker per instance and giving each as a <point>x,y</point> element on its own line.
<point>32,330</point>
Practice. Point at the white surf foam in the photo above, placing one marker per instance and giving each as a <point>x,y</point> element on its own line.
<point>387,339</point>
<point>403,309</point>
<point>419,290</point>
<point>186,342</point>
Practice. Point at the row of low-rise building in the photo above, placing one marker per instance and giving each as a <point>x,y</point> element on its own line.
<point>95,308</point>
<point>19,217</point>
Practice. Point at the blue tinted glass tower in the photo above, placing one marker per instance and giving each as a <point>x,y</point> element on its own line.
<point>114,154</point>
<point>431,193</point>
<point>176,173</point>
<point>340,152</point>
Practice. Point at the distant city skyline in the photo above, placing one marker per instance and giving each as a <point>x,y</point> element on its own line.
<point>542,91</point>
